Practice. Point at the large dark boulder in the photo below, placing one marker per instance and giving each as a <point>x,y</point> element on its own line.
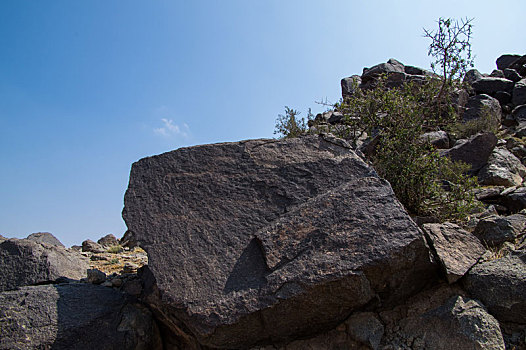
<point>519,93</point>
<point>494,230</point>
<point>502,169</point>
<point>501,285</point>
<point>482,106</point>
<point>74,316</point>
<point>474,151</point>
<point>46,238</point>
<point>505,61</point>
<point>392,66</point>
<point>24,262</point>
<point>490,85</point>
<point>262,241</point>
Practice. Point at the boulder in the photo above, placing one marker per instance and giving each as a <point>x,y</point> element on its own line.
<point>108,241</point>
<point>96,276</point>
<point>511,74</point>
<point>495,230</point>
<point>74,316</point>
<point>472,75</point>
<point>519,65</point>
<point>505,61</point>
<point>24,262</point>
<point>474,151</point>
<point>262,241</point>
<point>366,328</point>
<point>461,323</point>
<point>439,139</point>
<point>490,85</point>
<point>417,71</point>
<point>457,250</point>
<point>128,240</point>
<point>497,73</point>
<point>519,113</point>
<point>502,169</point>
<point>480,106</point>
<point>45,237</point>
<point>92,247</point>
<point>516,200</point>
<point>350,84</point>
<point>519,93</point>
<point>392,66</point>
<point>501,285</point>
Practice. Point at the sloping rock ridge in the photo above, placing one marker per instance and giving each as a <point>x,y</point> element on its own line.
<point>261,241</point>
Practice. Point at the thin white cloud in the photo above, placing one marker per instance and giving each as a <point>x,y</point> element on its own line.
<point>170,129</point>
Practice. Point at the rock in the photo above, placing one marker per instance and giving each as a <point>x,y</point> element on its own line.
<point>495,230</point>
<point>472,75</point>
<point>456,249</point>
<point>511,74</point>
<point>516,200</point>
<point>24,262</point>
<point>365,328</point>
<point>417,71</point>
<point>128,240</point>
<point>461,323</point>
<point>503,97</point>
<point>74,316</point>
<point>90,246</point>
<point>350,84</point>
<point>96,277</point>
<point>497,73</point>
<point>479,105</point>
<point>335,118</point>
<point>108,241</point>
<point>519,93</point>
<point>490,85</point>
<point>502,169</point>
<point>519,65</point>
<point>2,238</point>
<point>267,240</point>
<point>392,66</point>
<point>45,237</point>
<point>474,151</point>
<point>519,113</point>
<point>439,139</point>
<point>501,285</point>
<point>505,61</point>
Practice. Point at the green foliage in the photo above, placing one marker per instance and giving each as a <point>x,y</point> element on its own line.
<point>114,249</point>
<point>289,125</point>
<point>114,261</point>
<point>398,117</point>
<point>487,122</point>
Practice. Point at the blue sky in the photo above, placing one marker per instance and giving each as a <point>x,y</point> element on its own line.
<point>89,87</point>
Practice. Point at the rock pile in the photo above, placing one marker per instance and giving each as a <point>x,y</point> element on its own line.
<point>291,244</point>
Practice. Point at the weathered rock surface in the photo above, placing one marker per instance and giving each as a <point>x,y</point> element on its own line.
<point>461,323</point>
<point>93,247</point>
<point>519,113</point>
<point>457,249</point>
<point>505,61</point>
<point>439,139</point>
<point>24,262</point>
<point>490,85</point>
<point>501,285</point>
<point>474,151</point>
<point>45,237</point>
<point>74,316</point>
<point>502,169</point>
<point>262,241</point>
<point>519,93</point>
<point>108,241</point>
<point>495,230</point>
<point>479,106</point>
<point>350,84</point>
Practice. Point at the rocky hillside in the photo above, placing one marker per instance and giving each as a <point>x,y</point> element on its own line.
<point>292,244</point>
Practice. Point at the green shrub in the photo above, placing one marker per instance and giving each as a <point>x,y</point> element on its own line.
<point>114,249</point>
<point>487,122</point>
<point>289,125</point>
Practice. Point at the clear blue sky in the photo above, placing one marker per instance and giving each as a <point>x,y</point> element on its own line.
<point>89,87</point>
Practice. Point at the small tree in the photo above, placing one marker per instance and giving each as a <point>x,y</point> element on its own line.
<point>289,125</point>
<point>451,48</point>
